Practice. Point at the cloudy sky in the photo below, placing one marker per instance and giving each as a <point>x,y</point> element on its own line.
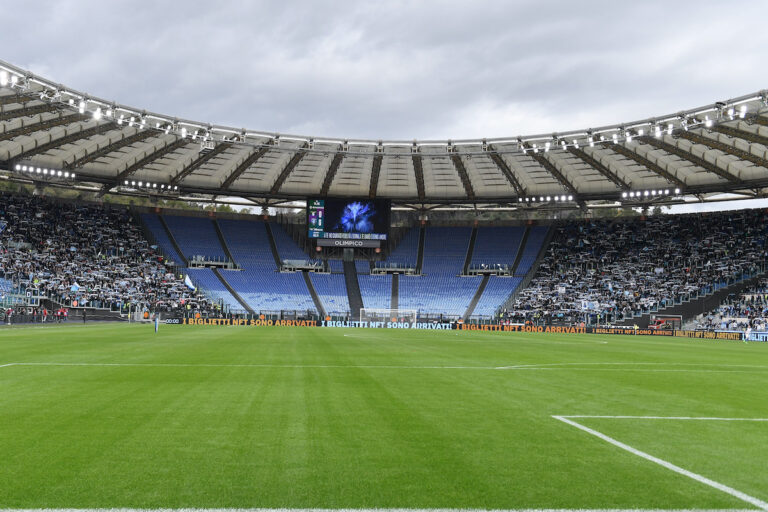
<point>396,70</point>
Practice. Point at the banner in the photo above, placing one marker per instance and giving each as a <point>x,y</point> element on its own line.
<point>444,326</point>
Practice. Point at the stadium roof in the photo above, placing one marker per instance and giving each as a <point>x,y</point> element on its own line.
<point>52,133</point>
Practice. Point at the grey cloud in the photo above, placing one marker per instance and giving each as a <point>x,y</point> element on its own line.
<point>396,69</point>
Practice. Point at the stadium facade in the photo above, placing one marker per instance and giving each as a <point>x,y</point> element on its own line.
<point>286,267</point>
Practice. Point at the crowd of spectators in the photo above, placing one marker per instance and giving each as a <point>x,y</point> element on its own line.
<point>606,271</point>
<point>83,255</point>
<point>748,309</point>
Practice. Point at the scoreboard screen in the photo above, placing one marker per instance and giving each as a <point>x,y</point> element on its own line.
<point>348,219</point>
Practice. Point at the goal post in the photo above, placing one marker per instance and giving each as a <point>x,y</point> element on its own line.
<point>387,315</point>
<point>666,322</point>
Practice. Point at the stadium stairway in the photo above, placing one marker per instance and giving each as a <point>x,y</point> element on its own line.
<point>476,298</point>
<point>232,291</point>
<point>173,240</point>
<point>521,249</point>
<point>690,309</point>
<point>393,303</point>
<point>314,295</point>
<point>534,268</point>
<point>353,290</point>
<point>420,252</point>
<point>470,250</point>
<point>273,246</point>
<point>224,245</point>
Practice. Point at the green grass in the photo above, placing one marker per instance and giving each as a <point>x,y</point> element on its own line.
<point>370,418</point>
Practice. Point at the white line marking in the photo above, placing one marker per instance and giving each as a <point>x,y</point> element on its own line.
<point>562,366</point>
<point>4,365</point>
<point>364,510</point>
<point>677,469</point>
<point>682,418</point>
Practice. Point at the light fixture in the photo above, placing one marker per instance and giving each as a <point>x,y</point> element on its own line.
<point>645,193</point>
<point>3,78</point>
<point>669,129</point>
<point>18,167</point>
<point>677,191</point>
<point>97,114</point>
<point>184,133</point>
<point>546,146</point>
<point>624,195</point>
<point>657,131</point>
<point>707,122</point>
<point>640,132</point>
<point>570,198</point>
<point>133,120</point>
<point>591,141</point>
<point>120,120</point>
<point>575,144</point>
<point>81,107</point>
<point>742,111</point>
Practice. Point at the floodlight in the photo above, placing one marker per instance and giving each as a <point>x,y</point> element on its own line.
<point>707,121</point>
<point>742,111</point>
<point>81,107</point>
<point>669,129</point>
<point>624,195</point>
<point>3,78</point>
<point>97,114</point>
<point>18,167</point>
<point>570,198</point>
<point>677,191</point>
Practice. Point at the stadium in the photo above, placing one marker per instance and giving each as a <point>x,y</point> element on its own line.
<point>200,316</point>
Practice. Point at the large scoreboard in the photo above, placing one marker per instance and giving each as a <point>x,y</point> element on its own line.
<point>348,219</point>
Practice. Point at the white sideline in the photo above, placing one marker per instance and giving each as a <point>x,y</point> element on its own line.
<point>683,418</point>
<point>368,510</point>
<point>677,469</point>
<point>531,367</point>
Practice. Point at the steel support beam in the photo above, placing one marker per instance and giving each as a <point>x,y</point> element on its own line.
<point>244,165</point>
<point>725,148</point>
<point>335,163</point>
<point>463,175</point>
<point>143,162</point>
<point>674,150</point>
<point>550,167</point>
<point>67,139</point>
<point>289,167</point>
<point>602,169</point>
<point>199,161</point>
<point>28,111</point>
<point>419,170</point>
<point>506,171</point>
<point>375,172</point>
<point>42,125</point>
<point>741,134</point>
<point>628,153</point>
<point>110,148</point>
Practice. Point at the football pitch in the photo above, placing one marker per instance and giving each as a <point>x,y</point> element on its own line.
<point>115,416</point>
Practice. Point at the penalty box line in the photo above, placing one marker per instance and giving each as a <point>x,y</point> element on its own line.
<point>569,420</point>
